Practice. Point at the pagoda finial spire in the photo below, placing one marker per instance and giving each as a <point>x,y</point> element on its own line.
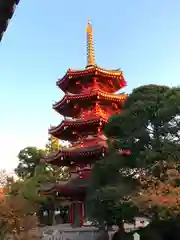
<point>90,45</point>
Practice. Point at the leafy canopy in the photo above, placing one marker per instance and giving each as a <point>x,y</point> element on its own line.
<point>148,126</point>
<point>29,158</point>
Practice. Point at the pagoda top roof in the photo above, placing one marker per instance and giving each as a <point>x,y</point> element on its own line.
<point>91,68</point>
<point>89,71</point>
<point>7,9</point>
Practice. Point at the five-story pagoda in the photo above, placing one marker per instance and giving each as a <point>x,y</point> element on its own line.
<point>88,103</point>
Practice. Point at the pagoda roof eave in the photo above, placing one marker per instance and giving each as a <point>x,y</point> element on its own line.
<point>98,92</point>
<point>75,152</point>
<point>73,185</point>
<point>76,123</point>
<point>88,72</point>
<point>7,9</point>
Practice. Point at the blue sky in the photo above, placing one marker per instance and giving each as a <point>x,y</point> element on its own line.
<point>44,39</point>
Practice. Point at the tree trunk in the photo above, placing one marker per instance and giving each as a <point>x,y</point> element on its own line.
<point>119,235</point>
<point>53,218</point>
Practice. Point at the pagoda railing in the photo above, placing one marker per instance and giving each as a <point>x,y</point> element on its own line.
<point>70,119</point>
<point>88,115</point>
<point>94,113</point>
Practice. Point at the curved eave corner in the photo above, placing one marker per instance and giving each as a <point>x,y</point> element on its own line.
<point>79,73</point>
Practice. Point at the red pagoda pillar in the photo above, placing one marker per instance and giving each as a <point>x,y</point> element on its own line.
<point>88,103</point>
<point>76,209</point>
<point>71,213</point>
<point>81,213</point>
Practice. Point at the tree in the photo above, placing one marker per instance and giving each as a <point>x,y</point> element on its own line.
<point>29,158</point>
<point>154,135</point>
<point>52,145</point>
<point>14,210</point>
<point>153,138</point>
<point>16,217</point>
<point>57,173</point>
<point>109,191</point>
<point>36,174</point>
<point>148,130</point>
<point>5,178</point>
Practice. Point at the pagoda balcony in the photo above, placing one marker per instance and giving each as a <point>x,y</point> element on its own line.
<point>71,129</point>
<point>77,154</point>
<point>97,111</point>
<point>81,120</point>
<point>89,141</point>
<point>74,79</point>
<point>94,94</point>
<point>71,104</point>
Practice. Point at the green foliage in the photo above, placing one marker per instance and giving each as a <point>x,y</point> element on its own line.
<point>43,174</point>
<point>52,145</point>
<point>34,174</point>
<point>148,126</point>
<point>29,158</point>
<point>154,111</point>
<point>55,173</point>
<point>109,191</point>
<point>161,230</point>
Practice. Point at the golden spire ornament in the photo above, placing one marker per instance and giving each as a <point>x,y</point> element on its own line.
<point>90,45</point>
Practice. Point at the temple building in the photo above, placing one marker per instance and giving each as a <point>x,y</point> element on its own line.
<point>88,102</point>
<point>7,8</point>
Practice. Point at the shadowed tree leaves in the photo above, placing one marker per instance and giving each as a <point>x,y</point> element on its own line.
<point>35,174</point>
<point>149,127</point>
<point>29,158</point>
<point>110,187</point>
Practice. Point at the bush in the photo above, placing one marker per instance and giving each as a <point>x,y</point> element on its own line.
<point>16,218</point>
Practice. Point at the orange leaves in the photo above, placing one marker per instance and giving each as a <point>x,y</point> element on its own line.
<point>163,194</point>
<point>15,215</point>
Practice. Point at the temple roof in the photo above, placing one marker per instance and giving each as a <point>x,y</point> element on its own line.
<point>66,127</point>
<point>77,122</point>
<point>73,189</point>
<point>88,71</point>
<point>112,79</point>
<point>67,156</point>
<point>79,185</point>
<point>99,94</point>
<point>71,185</point>
<point>117,75</point>
<point>7,8</point>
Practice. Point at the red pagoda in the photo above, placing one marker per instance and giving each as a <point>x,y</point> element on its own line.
<point>7,8</point>
<point>88,103</point>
